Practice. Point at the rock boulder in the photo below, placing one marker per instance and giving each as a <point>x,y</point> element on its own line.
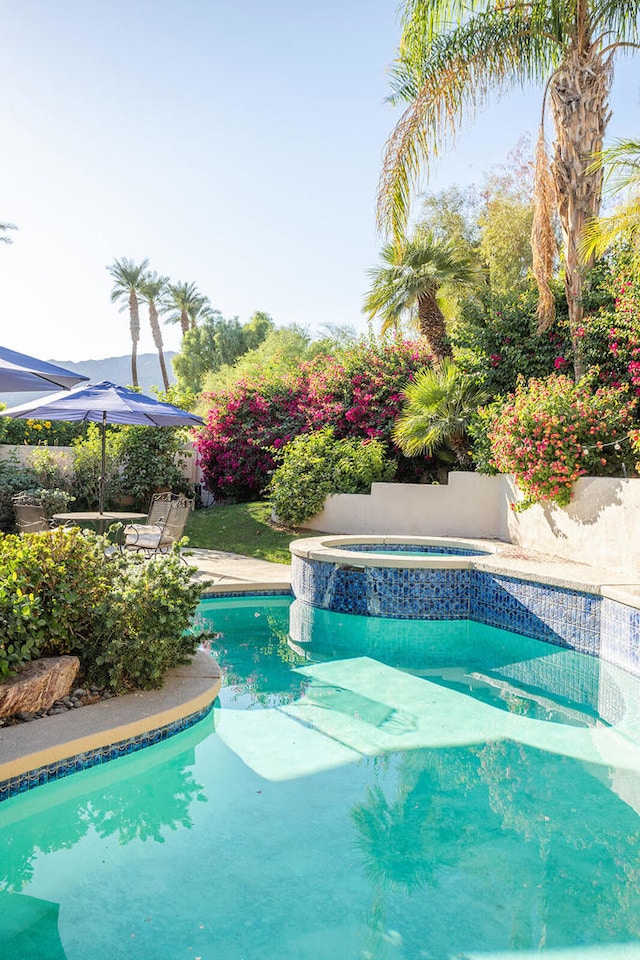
<point>38,685</point>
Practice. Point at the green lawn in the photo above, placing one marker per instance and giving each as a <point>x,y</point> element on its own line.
<point>244,528</point>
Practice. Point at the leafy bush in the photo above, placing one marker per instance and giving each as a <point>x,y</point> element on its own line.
<point>59,433</point>
<point>123,617</point>
<point>143,624</point>
<point>150,461</point>
<point>500,343</point>
<point>610,339</point>
<point>51,585</point>
<point>53,500</point>
<point>53,469</point>
<point>316,465</point>
<point>550,432</point>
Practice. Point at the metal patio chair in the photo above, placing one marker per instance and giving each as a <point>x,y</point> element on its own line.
<point>165,525</point>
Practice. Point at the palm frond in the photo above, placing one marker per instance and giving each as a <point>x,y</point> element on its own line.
<point>444,78</point>
<point>601,233</point>
<point>543,240</point>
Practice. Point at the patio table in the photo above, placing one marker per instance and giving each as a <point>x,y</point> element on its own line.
<point>101,520</point>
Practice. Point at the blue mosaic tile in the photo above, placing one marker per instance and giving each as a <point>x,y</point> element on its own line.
<point>418,548</point>
<point>222,594</point>
<point>620,641</point>
<point>556,615</point>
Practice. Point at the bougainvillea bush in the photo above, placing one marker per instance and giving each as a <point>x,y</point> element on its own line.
<point>500,342</point>
<point>359,395</point>
<point>610,343</point>
<point>550,432</point>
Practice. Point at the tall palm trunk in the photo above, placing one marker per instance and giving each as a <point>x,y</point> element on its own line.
<point>134,326</point>
<point>157,339</point>
<point>579,104</point>
<point>184,322</point>
<point>432,326</point>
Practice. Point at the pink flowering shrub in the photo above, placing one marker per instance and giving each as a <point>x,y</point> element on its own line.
<point>358,394</point>
<point>552,431</point>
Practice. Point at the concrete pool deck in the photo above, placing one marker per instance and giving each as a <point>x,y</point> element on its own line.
<point>28,746</point>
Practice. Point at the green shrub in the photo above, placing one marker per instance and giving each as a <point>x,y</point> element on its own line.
<point>55,433</point>
<point>126,619</point>
<point>150,459</point>
<point>316,465</point>
<point>144,624</point>
<point>52,468</point>
<point>62,576</point>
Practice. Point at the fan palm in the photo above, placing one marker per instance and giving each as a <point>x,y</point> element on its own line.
<point>128,278</point>
<point>454,56</point>
<point>621,163</point>
<point>410,284</point>
<point>186,304</point>
<point>439,406</point>
<point>152,291</point>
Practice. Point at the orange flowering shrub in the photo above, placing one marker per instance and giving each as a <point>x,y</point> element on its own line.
<point>552,431</point>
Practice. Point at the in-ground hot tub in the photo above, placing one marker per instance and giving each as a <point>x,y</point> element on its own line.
<point>409,577</point>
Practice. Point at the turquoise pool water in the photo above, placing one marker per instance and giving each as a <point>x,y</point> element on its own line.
<point>363,789</point>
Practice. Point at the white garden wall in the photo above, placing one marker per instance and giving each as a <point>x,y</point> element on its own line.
<point>601,526</point>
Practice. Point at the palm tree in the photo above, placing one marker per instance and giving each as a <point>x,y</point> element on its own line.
<point>128,278</point>
<point>152,291</point>
<point>412,281</point>
<point>453,56</point>
<point>3,229</point>
<point>198,312</point>
<point>186,302</point>
<point>439,406</point>
<point>621,163</point>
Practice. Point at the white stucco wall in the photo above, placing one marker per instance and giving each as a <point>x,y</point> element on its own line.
<point>601,526</point>
<point>469,505</point>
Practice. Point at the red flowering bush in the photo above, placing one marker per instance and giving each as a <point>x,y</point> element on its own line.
<point>552,431</point>
<point>358,394</point>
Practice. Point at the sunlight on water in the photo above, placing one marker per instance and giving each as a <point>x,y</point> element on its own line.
<point>363,789</point>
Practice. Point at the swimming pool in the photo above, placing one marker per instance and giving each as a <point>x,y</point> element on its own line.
<point>363,788</point>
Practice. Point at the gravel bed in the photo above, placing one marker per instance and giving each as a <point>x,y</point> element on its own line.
<point>80,697</point>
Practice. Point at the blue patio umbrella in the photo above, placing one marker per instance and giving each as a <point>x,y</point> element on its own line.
<point>104,403</point>
<point>21,373</point>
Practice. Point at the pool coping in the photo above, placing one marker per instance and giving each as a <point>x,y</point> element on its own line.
<point>187,692</point>
<point>502,559</point>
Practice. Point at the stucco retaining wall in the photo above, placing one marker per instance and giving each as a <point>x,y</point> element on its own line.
<point>601,526</point>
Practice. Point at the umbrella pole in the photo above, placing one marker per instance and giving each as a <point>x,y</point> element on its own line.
<point>103,463</point>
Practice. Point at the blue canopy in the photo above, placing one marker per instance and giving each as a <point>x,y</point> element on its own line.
<point>104,403</point>
<point>21,373</point>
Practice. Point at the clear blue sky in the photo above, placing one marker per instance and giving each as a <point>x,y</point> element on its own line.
<point>237,145</point>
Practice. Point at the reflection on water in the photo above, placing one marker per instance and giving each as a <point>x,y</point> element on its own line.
<point>369,794</point>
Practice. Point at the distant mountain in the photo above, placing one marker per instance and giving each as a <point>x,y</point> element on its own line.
<point>115,369</point>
